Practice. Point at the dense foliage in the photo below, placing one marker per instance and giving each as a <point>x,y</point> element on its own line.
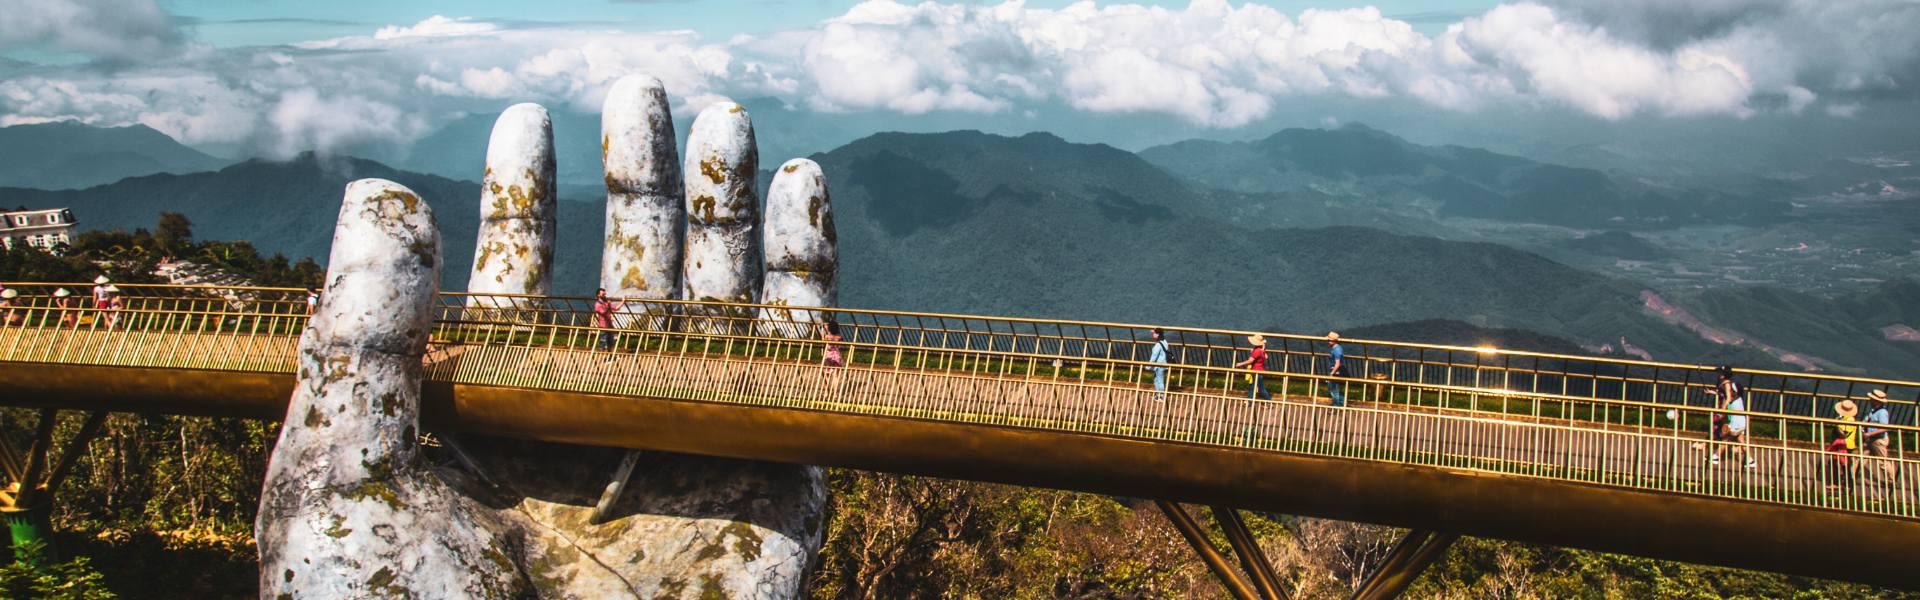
<point>134,257</point>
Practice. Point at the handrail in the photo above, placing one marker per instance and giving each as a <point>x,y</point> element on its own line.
<point>1080,323</point>
<point>1594,378</point>
<point>782,352</point>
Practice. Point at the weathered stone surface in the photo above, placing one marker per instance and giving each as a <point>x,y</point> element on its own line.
<point>802,251</point>
<point>349,510</point>
<point>352,510</point>
<point>723,248</point>
<point>688,526</point>
<point>515,247</point>
<point>646,213</point>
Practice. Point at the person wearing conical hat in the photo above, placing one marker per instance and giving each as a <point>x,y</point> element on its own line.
<point>62,301</point>
<point>1337,367</point>
<point>100,289</point>
<point>111,307</point>
<point>1878,440</point>
<point>11,317</point>
<point>1841,443</point>
<point>1257,362</point>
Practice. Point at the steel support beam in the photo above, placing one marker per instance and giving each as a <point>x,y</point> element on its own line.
<point>75,447</point>
<point>37,458</point>
<point>1253,560</point>
<point>621,474</point>
<point>1411,557</point>
<point>1649,523</point>
<point>1209,553</point>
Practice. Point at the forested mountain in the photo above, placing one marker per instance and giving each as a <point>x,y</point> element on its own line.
<point>1038,226</point>
<point>1370,169</point>
<point>290,207</point>
<point>1033,225</point>
<point>66,154</point>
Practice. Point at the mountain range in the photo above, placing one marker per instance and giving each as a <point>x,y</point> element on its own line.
<point>1038,226</point>
<point>1367,169</point>
<point>66,154</point>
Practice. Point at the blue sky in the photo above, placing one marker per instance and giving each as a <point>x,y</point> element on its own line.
<point>279,77</point>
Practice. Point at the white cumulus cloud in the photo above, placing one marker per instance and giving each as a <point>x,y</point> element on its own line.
<point>1211,63</point>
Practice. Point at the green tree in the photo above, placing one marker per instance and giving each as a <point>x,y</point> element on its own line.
<point>174,232</point>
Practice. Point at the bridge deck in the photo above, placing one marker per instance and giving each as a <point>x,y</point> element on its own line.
<point>1571,478</point>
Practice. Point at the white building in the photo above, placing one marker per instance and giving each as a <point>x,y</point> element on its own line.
<point>40,228</point>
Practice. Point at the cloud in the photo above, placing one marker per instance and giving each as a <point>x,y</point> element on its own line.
<point>117,30</point>
<point>1209,64</point>
<point>436,26</point>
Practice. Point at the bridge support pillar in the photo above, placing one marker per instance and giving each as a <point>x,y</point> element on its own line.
<point>621,475</point>
<point>1408,559</point>
<point>32,479</point>
<point>1252,559</point>
<point>1209,554</point>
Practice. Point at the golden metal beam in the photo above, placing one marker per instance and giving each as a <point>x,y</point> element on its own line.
<point>37,459</point>
<point>1409,558</point>
<point>1209,554</point>
<point>75,447</point>
<point>1689,528</point>
<point>1253,560</point>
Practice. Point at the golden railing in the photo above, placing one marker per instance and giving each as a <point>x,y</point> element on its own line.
<point>1587,419</point>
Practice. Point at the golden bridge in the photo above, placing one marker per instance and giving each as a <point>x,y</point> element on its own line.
<point>1601,454</point>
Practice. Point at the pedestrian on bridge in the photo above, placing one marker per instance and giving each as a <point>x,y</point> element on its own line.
<point>111,308</point>
<point>63,303</point>
<point>100,290</point>
<point>1841,444</point>
<point>1158,356</point>
<point>1731,427</point>
<point>1336,359</point>
<point>1257,362</point>
<point>603,308</point>
<point>1879,441</point>
<point>7,296</point>
<point>832,362</point>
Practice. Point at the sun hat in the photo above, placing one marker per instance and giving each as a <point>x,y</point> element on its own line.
<point>1257,339</point>
<point>112,289</point>
<point>9,294</point>
<point>61,293</point>
<point>1333,335</point>
<point>101,280</point>
<point>1878,396</point>
<point>1846,408</point>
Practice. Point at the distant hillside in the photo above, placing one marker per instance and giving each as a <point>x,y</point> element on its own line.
<point>1456,333</point>
<point>1034,225</point>
<point>1371,169</point>
<point>290,207</point>
<point>66,155</point>
<point>1616,244</point>
<point>1850,331</point>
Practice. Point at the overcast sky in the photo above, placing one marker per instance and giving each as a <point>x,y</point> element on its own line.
<point>274,77</point>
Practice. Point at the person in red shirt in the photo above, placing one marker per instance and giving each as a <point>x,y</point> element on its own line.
<point>1256,361</point>
<point>603,309</point>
